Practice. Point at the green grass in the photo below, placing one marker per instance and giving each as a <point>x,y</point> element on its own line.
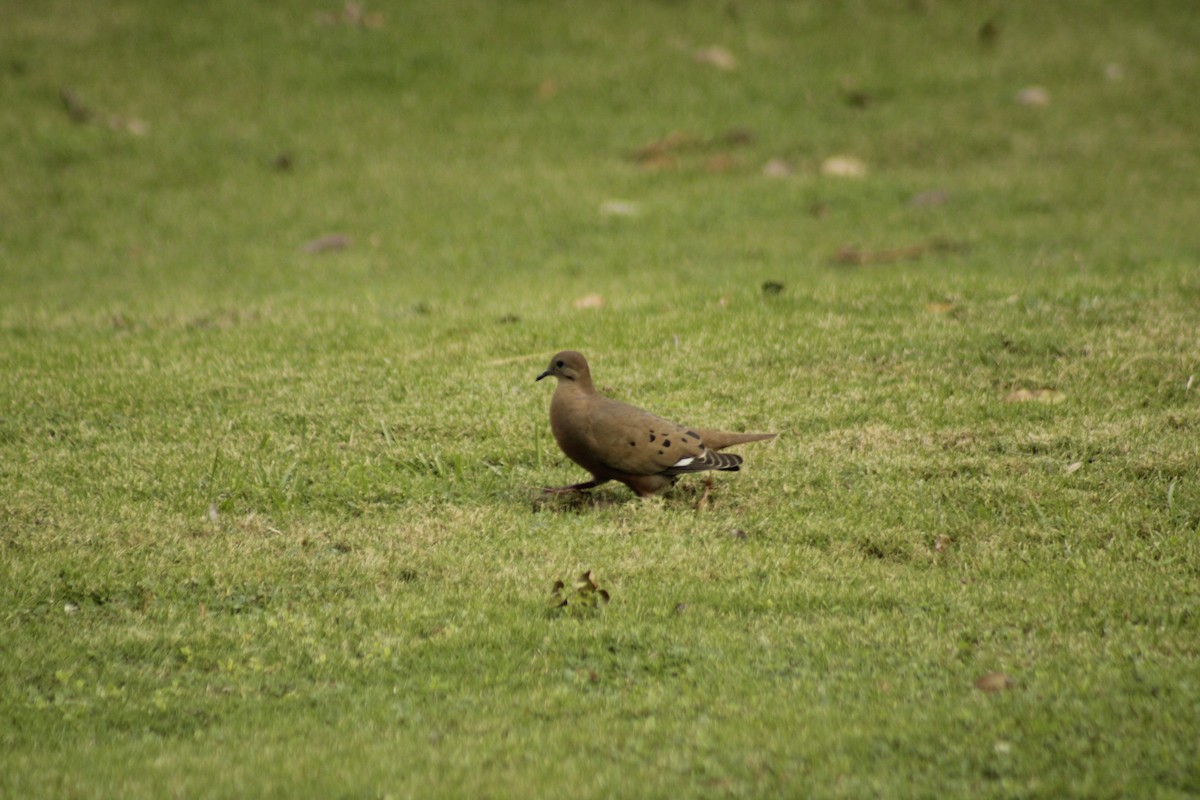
<point>268,518</point>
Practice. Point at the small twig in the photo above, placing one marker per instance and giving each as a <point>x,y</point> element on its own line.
<point>702,503</point>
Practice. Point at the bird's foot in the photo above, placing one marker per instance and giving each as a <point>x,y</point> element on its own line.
<point>573,488</point>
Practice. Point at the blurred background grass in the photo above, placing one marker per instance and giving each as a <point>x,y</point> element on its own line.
<point>450,141</point>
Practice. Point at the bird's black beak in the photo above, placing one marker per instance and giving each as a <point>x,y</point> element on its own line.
<point>543,375</point>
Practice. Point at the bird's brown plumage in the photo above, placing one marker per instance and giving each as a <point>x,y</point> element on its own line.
<point>616,441</point>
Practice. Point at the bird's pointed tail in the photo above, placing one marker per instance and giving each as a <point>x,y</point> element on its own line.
<point>719,440</point>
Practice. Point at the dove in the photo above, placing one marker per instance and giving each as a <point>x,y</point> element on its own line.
<point>615,441</point>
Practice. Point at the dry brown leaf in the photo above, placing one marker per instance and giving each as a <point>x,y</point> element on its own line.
<point>721,162</point>
<point>1073,467</point>
<point>989,32</point>
<point>327,244</point>
<point>939,308</point>
<point>1035,396</point>
<point>930,199</point>
<point>548,89</point>
<point>558,597</point>
<point>995,682</point>
<point>674,140</point>
<point>130,125</point>
<point>81,114</point>
<point>1034,96</point>
<point>942,543</point>
<point>736,137</point>
<point>590,301</point>
<point>717,57</point>
<point>660,161</point>
<point>692,150</point>
<point>619,208</point>
<point>76,109</point>
<point>777,168</point>
<point>352,13</point>
<point>857,98</point>
<point>844,167</point>
<point>853,256</point>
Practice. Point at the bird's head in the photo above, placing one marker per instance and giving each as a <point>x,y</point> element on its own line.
<point>568,366</point>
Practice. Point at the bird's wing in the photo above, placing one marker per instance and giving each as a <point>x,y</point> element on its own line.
<point>636,442</point>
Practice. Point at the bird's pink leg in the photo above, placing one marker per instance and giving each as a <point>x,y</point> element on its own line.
<point>575,487</point>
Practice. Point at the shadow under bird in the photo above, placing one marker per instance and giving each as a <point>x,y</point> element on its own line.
<point>618,442</point>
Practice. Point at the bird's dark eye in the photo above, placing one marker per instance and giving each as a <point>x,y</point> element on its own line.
<point>559,364</point>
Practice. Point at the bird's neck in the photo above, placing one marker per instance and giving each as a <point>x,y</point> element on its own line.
<point>581,385</point>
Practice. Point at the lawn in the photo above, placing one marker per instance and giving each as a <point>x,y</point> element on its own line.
<point>276,281</point>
